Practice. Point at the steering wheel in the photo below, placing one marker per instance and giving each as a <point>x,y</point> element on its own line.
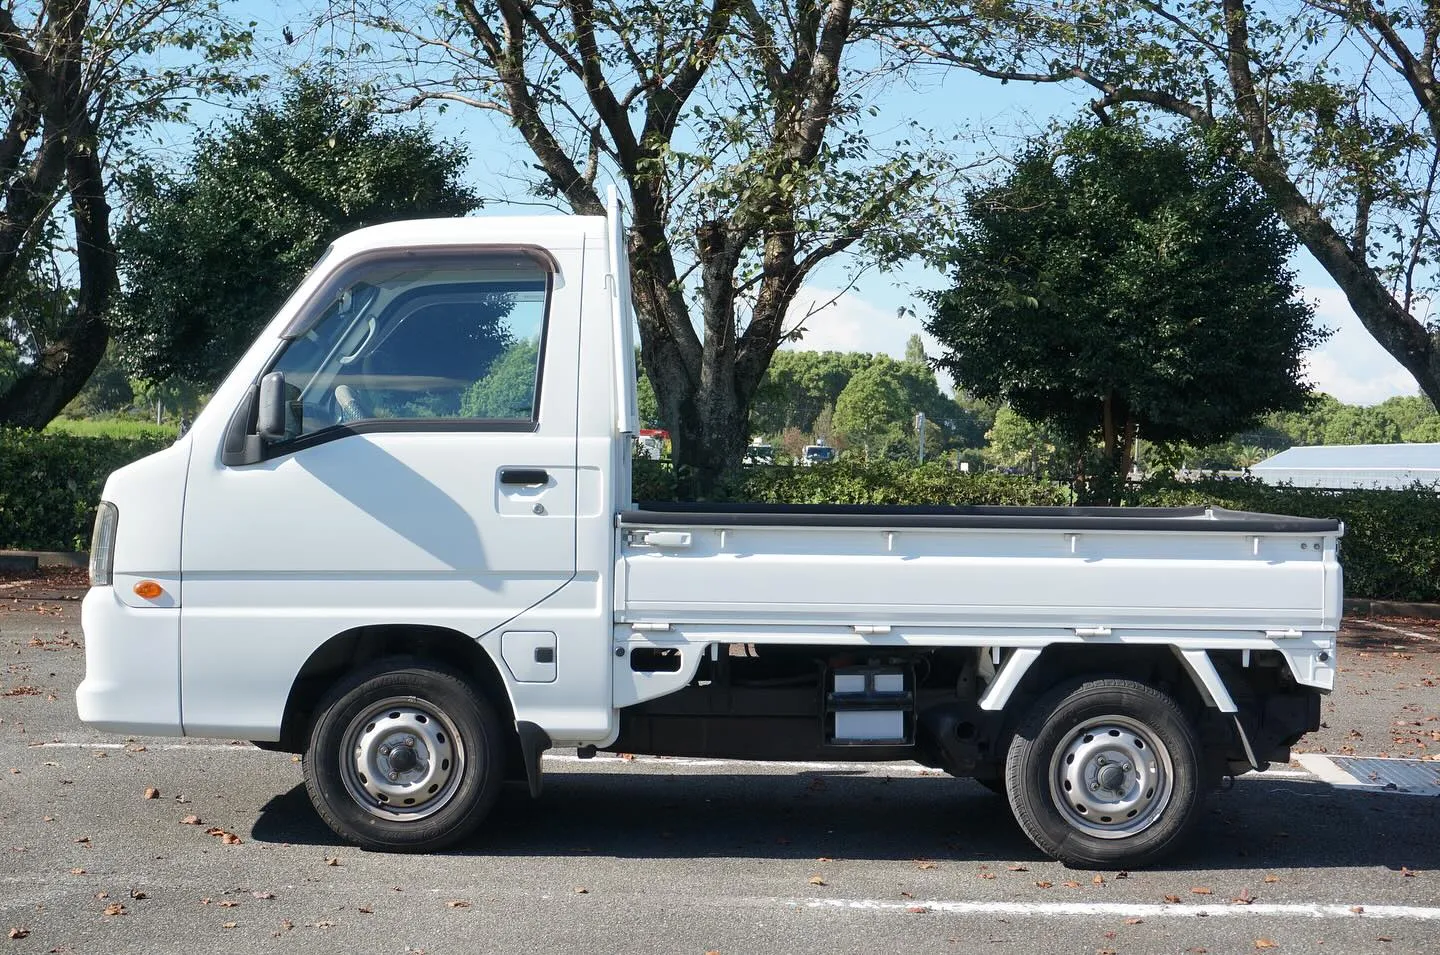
<point>350,406</point>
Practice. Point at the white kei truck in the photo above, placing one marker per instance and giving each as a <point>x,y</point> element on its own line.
<point>400,541</point>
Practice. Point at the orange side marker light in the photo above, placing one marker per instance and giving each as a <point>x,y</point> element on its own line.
<point>148,589</point>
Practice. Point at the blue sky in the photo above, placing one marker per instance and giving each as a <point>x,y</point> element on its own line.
<point>1350,366</point>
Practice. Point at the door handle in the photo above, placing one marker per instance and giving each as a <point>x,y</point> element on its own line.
<point>530,477</point>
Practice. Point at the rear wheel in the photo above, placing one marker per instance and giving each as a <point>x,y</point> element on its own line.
<point>1104,773</point>
<point>404,756</point>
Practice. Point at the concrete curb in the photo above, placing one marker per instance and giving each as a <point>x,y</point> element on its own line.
<point>1391,608</point>
<point>49,558</point>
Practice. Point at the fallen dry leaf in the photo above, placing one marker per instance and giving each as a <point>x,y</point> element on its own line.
<point>1098,880</point>
<point>1407,872</point>
<point>1384,938</point>
<point>83,841</point>
<point>1122,874</point>
<point>925,865</point>
<point>263,895</point>
<point>367,909</point>
<point>987,875</point>
<point>323,923</point>
<point>917,910</point>
<point>332,860</point>
<point>1071,884</point>
<point>77,871</point>
<point>1134,921</point>
<point>824,859</point>
<point>1358,909</point>
<point>230,924</point>
<point>1200,890</point>
<point>1272,878</point>
<point>458,904</point>
<point>18,932</point>
<point>285,925</point>
<point>817,880</point>
<point>190,821</point>
<point>152,793</point>
<point>1043,885</point>
<point>229,904</point>
<point>1265,943</point>
<point>139,894</point>
<point>230,839</point>
<point>1173,899</point>
<point>115,908</point>
<point>1244,898</point>
<point>1018,868</point>
<point>581,890</point>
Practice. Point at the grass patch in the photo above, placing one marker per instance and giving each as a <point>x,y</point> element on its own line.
<point>112,428</point>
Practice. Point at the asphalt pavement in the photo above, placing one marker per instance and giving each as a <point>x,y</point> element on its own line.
<point>652,855</point>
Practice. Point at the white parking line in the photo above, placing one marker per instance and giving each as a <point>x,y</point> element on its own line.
<point>1393,629</point>
<point>1136,910</point>
<point>232,747</point>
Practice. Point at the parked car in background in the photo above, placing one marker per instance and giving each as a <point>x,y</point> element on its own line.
<point>821,453</point>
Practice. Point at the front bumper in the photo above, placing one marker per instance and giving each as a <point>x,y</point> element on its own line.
<point>132,666</point>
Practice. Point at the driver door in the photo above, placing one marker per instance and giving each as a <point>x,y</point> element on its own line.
<point>427,476</point>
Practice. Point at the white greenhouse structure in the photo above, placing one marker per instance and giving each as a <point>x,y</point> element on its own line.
<point>1353,466</point>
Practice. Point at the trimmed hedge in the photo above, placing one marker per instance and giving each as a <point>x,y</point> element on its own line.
<point>50,484</point>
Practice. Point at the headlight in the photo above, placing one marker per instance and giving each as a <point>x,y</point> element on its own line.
<point>102,544</point>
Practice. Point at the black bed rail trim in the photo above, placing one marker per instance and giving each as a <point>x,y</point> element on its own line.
<point>1182,519</point>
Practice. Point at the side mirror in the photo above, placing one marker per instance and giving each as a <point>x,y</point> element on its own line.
<point>270,416</point>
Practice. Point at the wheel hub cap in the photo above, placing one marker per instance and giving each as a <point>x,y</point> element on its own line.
<point>402,759</point>
<point>1111,777</point>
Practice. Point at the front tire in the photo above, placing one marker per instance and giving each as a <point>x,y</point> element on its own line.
<point>404,756</point>
<point>1104,773</point>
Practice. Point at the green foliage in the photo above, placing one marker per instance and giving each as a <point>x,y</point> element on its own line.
<point>113,428</point>
<point>50,483</point>
<point>210,254</point>
<point>508,389</point>
<point>872,411</point>
<point>798,385</point>
<point>1016,443</point>
<point>851,481</point>
<point>108,391</point>
<point>1116,278</point>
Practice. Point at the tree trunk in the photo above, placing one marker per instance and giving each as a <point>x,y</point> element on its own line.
<point>62,370</point>
<point>65,364</point>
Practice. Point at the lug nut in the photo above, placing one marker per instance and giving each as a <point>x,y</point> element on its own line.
<point>394,775</point>
<point>410,741</point>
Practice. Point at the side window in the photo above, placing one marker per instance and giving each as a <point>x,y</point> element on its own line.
<point>417,338</point>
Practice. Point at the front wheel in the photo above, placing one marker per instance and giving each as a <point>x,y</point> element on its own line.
<point>1104,773</point>
<point>404,756</point>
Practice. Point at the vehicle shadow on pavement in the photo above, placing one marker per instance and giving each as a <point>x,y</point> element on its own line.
<point>1261,822</point>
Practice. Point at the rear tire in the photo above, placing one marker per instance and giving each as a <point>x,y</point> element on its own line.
<point>404,756</point>
<point>1104,773</point>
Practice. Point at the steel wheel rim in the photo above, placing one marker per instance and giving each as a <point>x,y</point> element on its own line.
<point>401,759</point>
<point>1111,777</point>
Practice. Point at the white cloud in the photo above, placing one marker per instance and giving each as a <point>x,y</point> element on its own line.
<point>846,321</point>
<point>1351,365</point>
